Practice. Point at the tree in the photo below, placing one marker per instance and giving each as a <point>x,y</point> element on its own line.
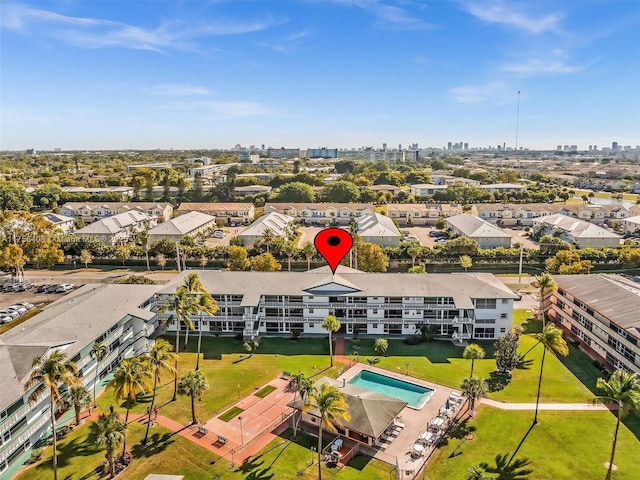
<point>161,260</point>
<point>331,324</point>
<point>205,304</point>
<point>265,262</point>
<point>77,397</point>
<point>461,246</point>
<point>506,354</point>
<point>426,331</point>
<point>159,359</point>
<point>413,251</point>
<point>441,224</point>
<point>14,197</point>
<point>143,237</point>
<point>289,250</point>
<point>545,285</point>
<point>303,387</point>
<point>331,408</point>
<point>371,257</point>
<point>123,252</point>
<point>251,348</point>
<point>473,352</point>
<point>381,345</point>
<point>465,262</point>
<point>13,258</point>
<point>623,388</point>
<point>268,237</point>
<point>417,269</point>
<point>203,261</point>
<point>568,262</point>
<point>48,374</point>
<point>551,339</point>
<point>308,250</point>
<point>129,379</point>
<point>341,191</point>
<point>109,431</point>
<point>86,258</point>
<point>238,258</point>
<point>477,472</point>
<point>295,192</point>
<point>193,384</point>
<point>474,388</point>
<point>98,351</point>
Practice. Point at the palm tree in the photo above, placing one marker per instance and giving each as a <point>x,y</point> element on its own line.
<point>413,251</point>
<point>158,359</point>
<point>551,339</point>
<point>77,397</point>
<point>303,387</point>
<point>47,374</point>
<point>192,384</point>
<point>474,388</point>
<point>268,237</point>
<point>206,304</point>
<point>110,431</point>
<point>545,285</point>
<point>129,379</point>
<point>473,352</point>
<point>331,324</point>
<point>289,248</point>
<point>143,236</point>
<point>308,250</point>
<point>477,472</point>
<point>98,351</point>
<point>331,408</point>
<point>622,388</point>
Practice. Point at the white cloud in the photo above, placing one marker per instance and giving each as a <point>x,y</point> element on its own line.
<point>174,89</point>
<point>238,108</point>
<point>388,16</point>
<point>494,91</point>
<point>555,61</point>
<point>99,33</point>
<point>496,11</point>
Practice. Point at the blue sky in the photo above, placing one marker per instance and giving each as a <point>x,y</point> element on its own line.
<point>113,74</point>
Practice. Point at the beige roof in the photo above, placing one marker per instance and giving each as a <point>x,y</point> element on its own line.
<point>208,206</point>
<point>376,225</point>
<point>576,228</point>
<point>473,227</point>
<point>274,221</point>
<point>114,224</point>
<point>319,206</point>
<point>182,225</point>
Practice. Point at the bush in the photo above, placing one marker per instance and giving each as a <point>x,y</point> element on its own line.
<point>64,430</point>
<point>413,340</point>
<point>373,360</point>
<point>295,333</point>
<point>36,455</point>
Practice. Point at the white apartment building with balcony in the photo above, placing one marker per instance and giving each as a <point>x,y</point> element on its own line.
<point>459,306</point>
<point>119,316</point>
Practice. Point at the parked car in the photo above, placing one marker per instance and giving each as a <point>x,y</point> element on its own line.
<point>22,287</point>
<point>65,287</point>
<point>9,287</point>
<point>9,313</point>
<point>5,319</point>
<point>44,288</point>
<point>405,232</point>
<point>27,305</point>
<point>51,288</point>
<point>17,308</point>
<point>434,233</point>
<point>411,238</point>
<point>218,234</point>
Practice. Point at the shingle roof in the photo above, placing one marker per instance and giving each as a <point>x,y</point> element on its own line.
<point>274,221</point>
<point>376,225</point>
<point>114,224</point>
<point>473,226</point>
<point>577,228</point>
<point>182,225</point>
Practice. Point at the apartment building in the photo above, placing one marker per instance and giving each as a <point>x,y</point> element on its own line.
<point>486,234</point>
<point>459,306</point>
<point>125,193</point>
<point>117,229</point>
<point>421,213</point>
<point>601,312</point>
<point>119,316</point>
<point>190,224</point>
<point>227,212</point>
<point>577,232</point>
<point>322,213</point>
<point>92,211</point>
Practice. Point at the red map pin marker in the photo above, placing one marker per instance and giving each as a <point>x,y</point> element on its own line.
<point>333,244</point>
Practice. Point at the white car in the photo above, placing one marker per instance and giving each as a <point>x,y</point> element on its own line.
<point>65,287</point>
<point>27,305</point>
<point>5,319</point>
<point>9,313</point>
<point>218,234</point>
<point>17,308</point>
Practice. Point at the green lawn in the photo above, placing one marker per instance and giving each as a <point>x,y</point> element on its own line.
<point>231,374</point>
<point>169,453</point>
<point>264,391</point>
<point>564,445</point>
<point>231,413</point>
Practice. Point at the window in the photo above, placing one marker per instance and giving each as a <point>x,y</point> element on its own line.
<point>503,330</point>
<point>485,303</point>
<point>311,325</point>
<point>503,315</point>
<point>484,332</point>
<point>311,310</point>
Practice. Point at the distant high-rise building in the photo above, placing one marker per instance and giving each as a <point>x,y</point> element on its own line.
<point>322,152</point>
<point>466,146</point>
<point>559,148</point>
<point>384,146</point>
<point>595,148</point>
<point>448,145</point>
<point>614,146</point>
<point>283,152</point>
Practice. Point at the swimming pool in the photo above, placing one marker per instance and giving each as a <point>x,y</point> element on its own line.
<point>416,396</point>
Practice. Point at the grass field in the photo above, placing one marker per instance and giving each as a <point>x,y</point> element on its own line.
<point>231,413</point>
<point>562,446</point>
<point>264,391</point>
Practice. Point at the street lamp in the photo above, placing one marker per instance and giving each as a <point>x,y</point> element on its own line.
<point>313,450</point>
<point>407,365</point>
<point>241,432</point>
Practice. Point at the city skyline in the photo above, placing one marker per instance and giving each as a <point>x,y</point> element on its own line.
<point>338,73</point>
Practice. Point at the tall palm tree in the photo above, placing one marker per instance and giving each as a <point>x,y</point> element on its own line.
<point>110,431</point>
<point>206,304</point>
<point>268,237</point>
<point>473,352</point>
<point>474,388</point>
<point>545,285</point>
<point>48,374</point>
<point>194,285</point>
<point>130,378</point>
<point>622,388</point>
<point>99,351</point>
<point>159,359</point>
<point>413,251</point>
<point>289,248</point>
<point>77,397</point>
<point>193,384</point>
<point>551,339</point>
<point>182,304</point>
<point>331,408</point>
<point>303,388</point>
<point>331,324</point>
<point>308,250</point>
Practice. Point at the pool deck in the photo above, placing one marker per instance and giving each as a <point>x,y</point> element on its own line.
<point>415,421</point>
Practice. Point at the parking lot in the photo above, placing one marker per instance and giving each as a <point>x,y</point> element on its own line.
<point>8,299</point>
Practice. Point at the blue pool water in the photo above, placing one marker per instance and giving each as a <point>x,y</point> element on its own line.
<point>416,396</point>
